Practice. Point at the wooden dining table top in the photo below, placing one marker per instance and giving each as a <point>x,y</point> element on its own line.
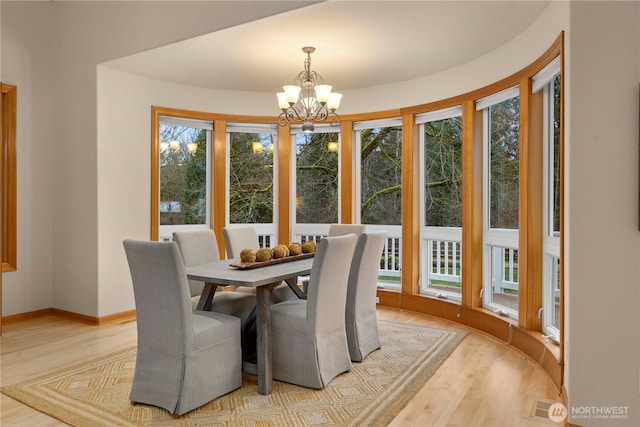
<point>221,273</point>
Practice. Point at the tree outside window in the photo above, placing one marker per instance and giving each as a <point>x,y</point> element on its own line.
<point>504,163</point>
<point>443,172</point>
<point>381,175</point>
<point>317,191</point>
<point>251,178</point>
<point>183,175</point>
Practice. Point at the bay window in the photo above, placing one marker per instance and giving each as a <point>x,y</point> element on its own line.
<point>185,193</point>
<point>378,172</point>
<point>316,186</point>
<point>441,203</point>
<point>548,81</point>
<point>251,178</point>
<point>501,114</point>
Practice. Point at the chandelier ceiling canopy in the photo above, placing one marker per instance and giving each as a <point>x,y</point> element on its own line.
<point>308,100</point>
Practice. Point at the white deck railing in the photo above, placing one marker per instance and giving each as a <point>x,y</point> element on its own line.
<point>441,260</point>
<point>390,260</point>
<point>504,269</point>
<point>446,260</point>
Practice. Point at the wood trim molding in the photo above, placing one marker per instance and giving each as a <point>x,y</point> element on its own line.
<point>76,317</point>
<point>560,43</point>
<point>376,115</point>
<point>530,207</point>
<point>219,181</point>
<point>1,213</point>
<point>285,176</point>
<point>410,206</point>
<point>26,316</point>
<point>347,176</point>
<point>154,201</point>
<point>9,186</point>
<point>472,191</point>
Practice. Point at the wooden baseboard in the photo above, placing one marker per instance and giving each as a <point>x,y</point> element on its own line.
<point>26,316</point>
<point>76,317</point>
<point>118,317</point>
<point>504,329</point>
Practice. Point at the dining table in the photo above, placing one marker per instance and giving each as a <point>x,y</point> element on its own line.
<point>263,279</point>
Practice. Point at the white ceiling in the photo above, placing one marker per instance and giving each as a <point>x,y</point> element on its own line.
<point>358,44</point>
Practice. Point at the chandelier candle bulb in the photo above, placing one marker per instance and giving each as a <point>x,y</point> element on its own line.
<point>334,101</point>
<point>282,101</point>
<point>323,92</point>
<point>291,93</point>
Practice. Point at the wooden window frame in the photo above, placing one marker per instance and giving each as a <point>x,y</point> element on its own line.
<point>8,180</point>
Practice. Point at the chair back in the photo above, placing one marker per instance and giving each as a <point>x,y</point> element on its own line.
<point>197,246</point>
<point>327,291</point>
<point>238,238</point>
<point>363,275</point>
<point>163,306</point>
<point>342,229</point>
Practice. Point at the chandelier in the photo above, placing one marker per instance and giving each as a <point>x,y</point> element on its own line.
<point>308,100</point>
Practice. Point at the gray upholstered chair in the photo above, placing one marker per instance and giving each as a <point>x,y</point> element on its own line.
<point>342,229</point>
<point>185,358</point>
<point>309,341</point>
<point>338,230</point>
<point>238,238</point>
<point>360,315</point>
<point>199,247</point>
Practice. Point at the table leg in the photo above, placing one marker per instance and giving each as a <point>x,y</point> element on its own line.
<point>206,298</point>
<point>263,350</point>
<point>293,285</point>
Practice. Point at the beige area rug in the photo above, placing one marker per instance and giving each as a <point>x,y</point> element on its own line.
<point>96,393</point>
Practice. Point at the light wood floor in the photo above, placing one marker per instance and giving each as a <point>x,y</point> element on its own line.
<point>484,382</point>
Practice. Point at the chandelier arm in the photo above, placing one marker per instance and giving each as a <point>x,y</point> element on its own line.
<point>334,119</point>
<point>321,114</point>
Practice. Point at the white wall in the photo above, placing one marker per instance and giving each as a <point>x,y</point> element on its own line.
<point>490,68</point>
<point>602,217</point>
<point>25,64</point>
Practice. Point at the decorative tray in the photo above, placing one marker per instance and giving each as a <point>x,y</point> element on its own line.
<point>256,264</point>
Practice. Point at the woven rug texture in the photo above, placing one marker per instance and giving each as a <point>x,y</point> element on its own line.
<point>96,393</point>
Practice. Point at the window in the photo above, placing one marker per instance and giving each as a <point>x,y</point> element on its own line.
<point>184,174</point>
<point>501,113</point>
<point>380,167</point>
<point>441,207</point>
<point>251,177</point>
<point>378,189</point>
<point>548,81</point>
<point>317,190</point>
<point>316,181</point>
<point>8,178</point>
